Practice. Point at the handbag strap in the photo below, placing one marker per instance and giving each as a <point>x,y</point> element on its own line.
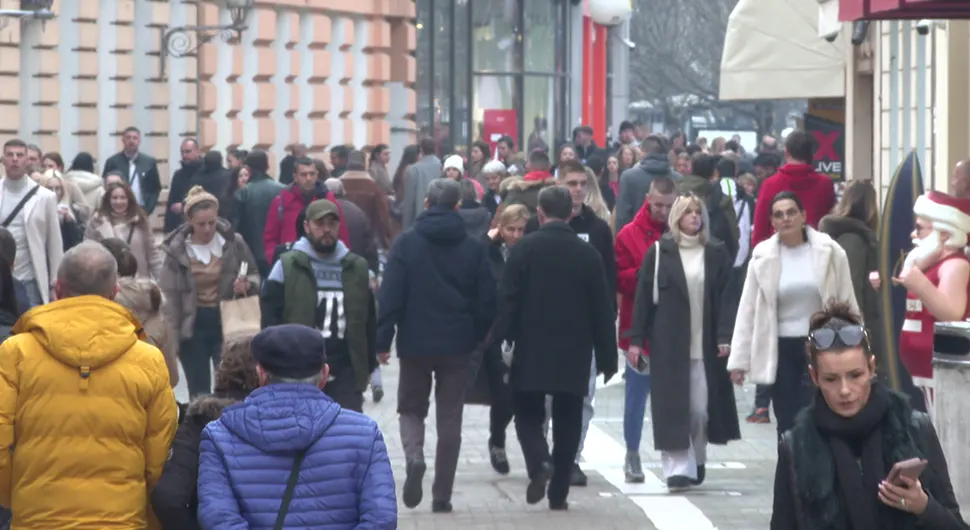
<point>294,477</point>
<point>656,272</point>
<point>20,206</point>
<point>290,488</point>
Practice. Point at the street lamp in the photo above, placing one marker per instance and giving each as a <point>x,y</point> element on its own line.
<point>29,9</point>
<point>177,42</point>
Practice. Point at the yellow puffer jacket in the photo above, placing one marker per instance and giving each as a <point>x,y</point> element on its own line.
<point>86,418</point>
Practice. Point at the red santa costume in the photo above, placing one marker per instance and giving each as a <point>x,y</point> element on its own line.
<point>950,215</point>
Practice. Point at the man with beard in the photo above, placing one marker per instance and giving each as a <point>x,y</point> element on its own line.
<point>321,284</point>
<point>936,274</point>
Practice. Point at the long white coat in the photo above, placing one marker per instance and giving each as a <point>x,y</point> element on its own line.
<point>754,346</point>
<point>43,229</point>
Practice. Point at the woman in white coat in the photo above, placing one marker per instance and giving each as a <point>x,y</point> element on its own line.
<point>791,276</point>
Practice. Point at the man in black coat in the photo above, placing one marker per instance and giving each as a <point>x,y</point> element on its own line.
<point>556,308</point>
<point>181,182</point>
<point>595,231</point>
<point>140,170</point>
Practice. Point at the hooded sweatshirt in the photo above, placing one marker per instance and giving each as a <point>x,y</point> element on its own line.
<point>816,191</point>
<point>635,184</point>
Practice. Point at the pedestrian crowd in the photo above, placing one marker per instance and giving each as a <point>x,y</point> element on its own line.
<point>512,281</point>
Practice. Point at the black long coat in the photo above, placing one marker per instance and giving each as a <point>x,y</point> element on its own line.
<point>666,326</point>
<point>556,307</point>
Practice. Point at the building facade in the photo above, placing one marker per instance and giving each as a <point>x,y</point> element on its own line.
<point>487,68</point>
<point>317,72</point>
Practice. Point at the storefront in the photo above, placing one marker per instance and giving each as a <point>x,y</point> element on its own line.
<point>487,68</point>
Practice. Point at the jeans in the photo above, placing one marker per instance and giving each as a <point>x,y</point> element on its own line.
<point>566,428</point>
<point>202,351</point>
<point>450,375</point>
<point>636,393</point>
<point>793,388</point>
<point>33,293</point>
<point>762,396</point>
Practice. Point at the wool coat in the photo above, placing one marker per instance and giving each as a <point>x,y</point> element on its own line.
<point>666,326</point>
<point>557,309</point>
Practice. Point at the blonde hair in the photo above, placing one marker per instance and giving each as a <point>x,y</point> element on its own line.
<point>748,177</point>
<point>677,211</point>
<point>513,213</point>
<point>594,197</point>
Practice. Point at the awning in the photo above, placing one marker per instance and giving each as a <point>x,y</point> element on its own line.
<point>772,50</point>
<point>903,9</point>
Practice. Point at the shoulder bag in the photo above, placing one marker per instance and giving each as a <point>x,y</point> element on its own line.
<point>20,206</point>
<point>290,488</point>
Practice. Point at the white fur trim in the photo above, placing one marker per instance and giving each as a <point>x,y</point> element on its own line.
<point>941,214</point>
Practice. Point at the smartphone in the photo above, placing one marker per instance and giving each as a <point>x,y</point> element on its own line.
<point>643,364</point>
<point>911,469</point>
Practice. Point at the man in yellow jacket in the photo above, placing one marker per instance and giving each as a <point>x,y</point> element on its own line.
<point>86,410</point>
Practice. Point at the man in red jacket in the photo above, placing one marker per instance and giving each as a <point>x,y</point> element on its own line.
<point>816,191</point>
<point>632,244</point>
<point>281,219</point>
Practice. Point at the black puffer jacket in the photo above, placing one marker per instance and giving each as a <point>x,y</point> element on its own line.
<point>174,498</point>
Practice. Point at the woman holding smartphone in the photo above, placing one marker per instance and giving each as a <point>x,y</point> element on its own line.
<point>835,466</point>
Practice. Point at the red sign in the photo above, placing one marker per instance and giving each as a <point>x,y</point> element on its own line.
<point>497,123</point>
<point>851,10</point>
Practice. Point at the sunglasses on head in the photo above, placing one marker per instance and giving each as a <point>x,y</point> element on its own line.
<point>848,336</point>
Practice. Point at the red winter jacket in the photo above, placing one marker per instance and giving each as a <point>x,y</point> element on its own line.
<point>632,244</point>
<point>281,222</point>
<point>816,191</point>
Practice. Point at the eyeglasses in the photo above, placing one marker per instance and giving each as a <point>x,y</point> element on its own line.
<point>848,336</point>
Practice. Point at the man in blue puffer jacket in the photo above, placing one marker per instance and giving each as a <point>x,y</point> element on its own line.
<point>288,453</point>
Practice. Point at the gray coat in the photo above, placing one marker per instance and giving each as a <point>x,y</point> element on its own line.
<point>666,326</point>
<point>418,178</point>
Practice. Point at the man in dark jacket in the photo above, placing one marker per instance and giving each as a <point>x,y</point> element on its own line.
<point>140,170</point>
<point>635,182</point>
<point>595,231</point>
<point>556,307</point>
<point>180,184</point>
<point>252,207</point>
<point>321,284</point>
<point>439,293</point>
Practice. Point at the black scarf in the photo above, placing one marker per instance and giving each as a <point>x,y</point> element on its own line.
<point>859,491</point>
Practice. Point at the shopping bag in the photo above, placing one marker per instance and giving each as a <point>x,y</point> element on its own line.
<point>240,316</point>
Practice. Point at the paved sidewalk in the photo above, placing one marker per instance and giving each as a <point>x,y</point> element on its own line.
<point>736,495</point>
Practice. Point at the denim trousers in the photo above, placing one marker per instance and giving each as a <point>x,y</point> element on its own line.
<point>636,393</point>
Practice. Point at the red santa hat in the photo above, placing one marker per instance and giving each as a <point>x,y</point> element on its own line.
<point>947,213</point>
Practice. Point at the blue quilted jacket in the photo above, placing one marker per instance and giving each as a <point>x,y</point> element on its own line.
<point>345,480</point>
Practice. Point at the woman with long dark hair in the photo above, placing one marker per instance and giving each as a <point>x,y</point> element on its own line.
<point>399,183</point>
<point>478,156</point>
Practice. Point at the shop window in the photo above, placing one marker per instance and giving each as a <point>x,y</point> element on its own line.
<point>539,36</point>
<point>495,35</point>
